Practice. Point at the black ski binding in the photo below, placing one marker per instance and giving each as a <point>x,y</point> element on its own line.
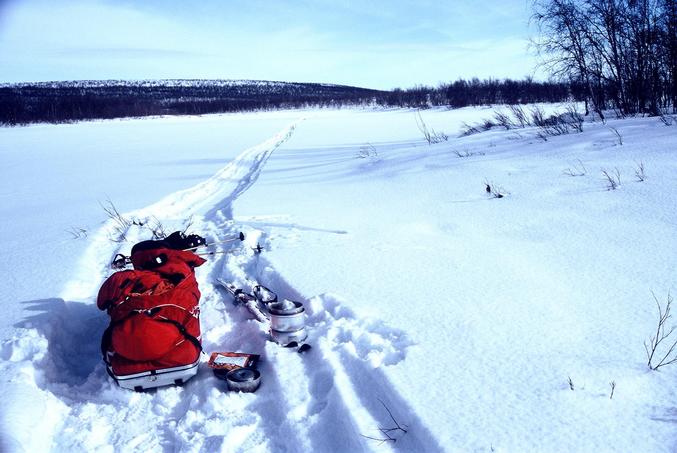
<point>120,261</point>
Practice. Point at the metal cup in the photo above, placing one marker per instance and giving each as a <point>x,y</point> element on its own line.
<point>287,322</point>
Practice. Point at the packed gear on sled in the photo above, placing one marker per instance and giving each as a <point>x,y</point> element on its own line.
<point>154,334</point>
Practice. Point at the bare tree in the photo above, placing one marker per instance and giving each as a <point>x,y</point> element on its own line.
<point>623,51</point>
<point>562,45</point>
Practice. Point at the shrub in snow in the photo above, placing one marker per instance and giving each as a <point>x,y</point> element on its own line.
<point>467,129</point>
<point>668,120</point>
<point>156,228</point>
<point>658,352</point>
<point>77,232</point>
<point>466,153</point>
<point>612,179</point>
<point>619,137</point>
<point>503,120</point>
<point>487,125</point>
<point>577,169</point>
<point>573,118</point>
<point>367,151</point>
<point>521,116</point>
<point>120,224</point>
<point>639,171</point>
<point>430,135</point>
<point>493,190</point>
<point>553,125</point>
<point>537,116</point>
<point>389,434</point>
<point>557,124</point>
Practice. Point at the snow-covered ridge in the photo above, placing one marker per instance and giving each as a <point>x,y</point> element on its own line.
<point>173,83</point>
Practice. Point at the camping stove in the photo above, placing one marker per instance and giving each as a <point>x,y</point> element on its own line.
<point>287,322</point>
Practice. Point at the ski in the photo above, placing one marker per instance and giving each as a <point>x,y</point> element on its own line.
<point>251,303</point>
<point>263,304</point>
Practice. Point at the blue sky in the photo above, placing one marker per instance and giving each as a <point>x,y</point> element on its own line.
<point>376,44</point>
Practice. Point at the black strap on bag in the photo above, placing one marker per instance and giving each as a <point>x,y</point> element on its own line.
<point>107,337</point>
<point>182,329</point>
<point>180,241</point>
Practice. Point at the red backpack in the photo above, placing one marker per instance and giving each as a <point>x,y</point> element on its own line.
<point>154,335</point>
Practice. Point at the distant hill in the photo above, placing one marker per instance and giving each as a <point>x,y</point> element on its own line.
<point>57,102</point>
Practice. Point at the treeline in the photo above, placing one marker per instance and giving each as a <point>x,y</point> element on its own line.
<point>58,102</point>
<point>474,92</point>
<point>623,52</point>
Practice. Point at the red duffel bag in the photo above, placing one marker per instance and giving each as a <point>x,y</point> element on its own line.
<point>154,335</point>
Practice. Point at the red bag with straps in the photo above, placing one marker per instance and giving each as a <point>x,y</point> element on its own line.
<point>154,311</point>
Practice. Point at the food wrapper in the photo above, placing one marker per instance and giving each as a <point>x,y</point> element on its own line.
<point>227,361</point>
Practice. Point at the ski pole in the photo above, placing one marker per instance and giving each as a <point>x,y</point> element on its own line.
<point>214,253</point>
<point>240,237</point>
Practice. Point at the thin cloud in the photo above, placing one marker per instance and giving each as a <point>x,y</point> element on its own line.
<point>483,48</point>
<point>376,44</point>
<point>126,52</point>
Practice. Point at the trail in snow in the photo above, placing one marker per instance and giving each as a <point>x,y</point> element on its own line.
<point>332,396</point>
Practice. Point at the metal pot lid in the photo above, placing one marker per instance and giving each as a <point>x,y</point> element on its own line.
<point>243,375</point>
<point>286,338</point>
<point>286,307</point>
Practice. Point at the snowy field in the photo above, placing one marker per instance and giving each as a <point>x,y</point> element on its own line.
<point>476,323</point>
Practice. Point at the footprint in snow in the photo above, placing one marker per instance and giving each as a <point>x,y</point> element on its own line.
<point>368,339</point>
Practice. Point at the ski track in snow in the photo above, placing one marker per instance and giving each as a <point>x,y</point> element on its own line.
<point>331,397</point>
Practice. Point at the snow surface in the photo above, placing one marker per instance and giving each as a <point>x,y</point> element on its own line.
<point>463,315</point>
